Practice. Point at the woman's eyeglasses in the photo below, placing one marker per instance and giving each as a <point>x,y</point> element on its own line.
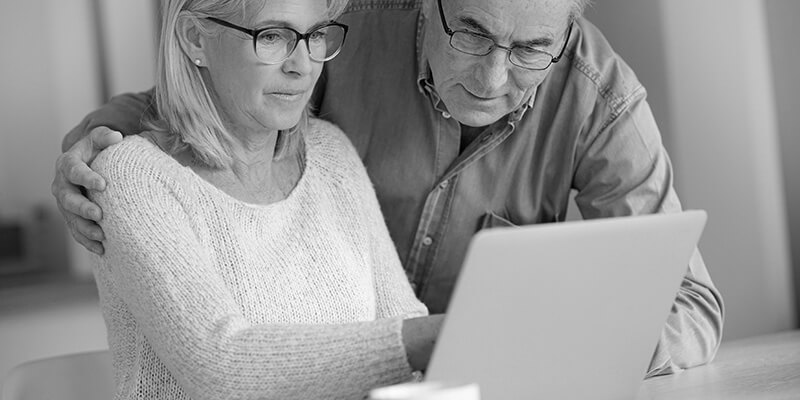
<point>273,45</point>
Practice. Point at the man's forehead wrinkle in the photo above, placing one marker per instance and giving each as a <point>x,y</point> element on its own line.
<point>496,23</point>
<point>470,22</point>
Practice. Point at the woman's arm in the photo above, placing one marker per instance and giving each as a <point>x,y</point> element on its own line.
<point>393,293</point>
<point>164,275</point>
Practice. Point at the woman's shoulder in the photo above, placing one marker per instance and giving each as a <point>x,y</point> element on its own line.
<point>324,129</point>
<point>135,160</point>
<point>327,135</point>
<point>132,149</point>
<point>329,148</point>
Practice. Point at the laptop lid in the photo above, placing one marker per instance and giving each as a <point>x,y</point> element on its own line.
<point>571,310</point>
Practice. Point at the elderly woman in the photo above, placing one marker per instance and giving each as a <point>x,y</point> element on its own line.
<point>246,256</point>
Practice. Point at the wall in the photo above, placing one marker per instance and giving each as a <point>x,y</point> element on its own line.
<point>28,113</point>
<point>783,35</point>
<point>716,111</point>
<point>48,85</point>
<point>130,44</point>
<point>727,155</point>
<point>49,79</point>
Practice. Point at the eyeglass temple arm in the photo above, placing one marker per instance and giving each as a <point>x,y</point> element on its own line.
<point>251,32</point>
<point>566,40</point>
<point>444,22</point>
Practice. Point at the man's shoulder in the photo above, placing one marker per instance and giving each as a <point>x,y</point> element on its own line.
<point>375,5</point>
<point>593,61</point>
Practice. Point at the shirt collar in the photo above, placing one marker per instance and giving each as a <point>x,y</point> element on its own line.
<point>423,68</point>
<point>517,114</point>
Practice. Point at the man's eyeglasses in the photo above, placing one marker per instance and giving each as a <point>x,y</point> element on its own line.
<point>480,45</point>
<point>273,45</point>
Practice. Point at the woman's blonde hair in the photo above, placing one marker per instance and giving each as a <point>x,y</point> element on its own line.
<point>185,108</point>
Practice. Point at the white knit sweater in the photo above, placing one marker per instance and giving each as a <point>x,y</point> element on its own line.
<point>208,297</point>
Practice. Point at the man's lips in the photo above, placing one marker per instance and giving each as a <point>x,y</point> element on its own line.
<point>480,95</point>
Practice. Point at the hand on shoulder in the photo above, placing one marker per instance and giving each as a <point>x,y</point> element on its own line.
<point>73,177</point>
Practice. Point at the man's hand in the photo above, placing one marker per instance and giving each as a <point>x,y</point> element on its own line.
<point>73,177</point>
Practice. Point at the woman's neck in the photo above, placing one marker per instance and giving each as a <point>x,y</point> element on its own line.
<point>254,176</point>
<point>253,157</point>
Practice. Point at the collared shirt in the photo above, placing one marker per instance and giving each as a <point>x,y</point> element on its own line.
<point>588,129</point>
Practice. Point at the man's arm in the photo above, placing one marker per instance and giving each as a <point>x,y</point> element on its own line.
<point>123,113</point>
<point>623,169</point>
<point>98,130</point>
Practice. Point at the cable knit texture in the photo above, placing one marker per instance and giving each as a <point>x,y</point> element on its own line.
<point>208,297</point>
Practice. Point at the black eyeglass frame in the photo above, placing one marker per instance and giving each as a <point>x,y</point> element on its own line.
<point>510,49</point>
<point>300,36</point>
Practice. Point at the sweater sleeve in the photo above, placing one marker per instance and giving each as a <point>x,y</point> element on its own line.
<point>189,317</point>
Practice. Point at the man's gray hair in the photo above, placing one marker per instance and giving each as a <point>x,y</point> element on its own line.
<point>579,6</point>
<point>184,105</point>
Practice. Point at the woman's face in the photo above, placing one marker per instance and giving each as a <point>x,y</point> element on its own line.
<point>253,96</point>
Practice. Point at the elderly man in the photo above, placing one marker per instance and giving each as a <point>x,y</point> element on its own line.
<point>471,114</point>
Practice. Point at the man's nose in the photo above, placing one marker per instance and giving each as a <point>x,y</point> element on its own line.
<point>494,68</point>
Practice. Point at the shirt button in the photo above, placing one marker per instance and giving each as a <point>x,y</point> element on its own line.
<point>446,114</point>
<point>427,241</point>
<point>444,184</point>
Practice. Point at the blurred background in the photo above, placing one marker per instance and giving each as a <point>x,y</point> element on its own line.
<point>721,78</point>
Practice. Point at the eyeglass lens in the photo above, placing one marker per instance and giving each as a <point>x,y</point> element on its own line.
<point>478,45</point>
<point>276,44</point>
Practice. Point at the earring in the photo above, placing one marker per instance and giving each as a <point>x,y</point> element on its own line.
<point>197,62</point>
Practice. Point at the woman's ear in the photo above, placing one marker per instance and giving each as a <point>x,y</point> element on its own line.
<point>192,41</point>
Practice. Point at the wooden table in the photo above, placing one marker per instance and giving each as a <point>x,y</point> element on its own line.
<point>762,367</point>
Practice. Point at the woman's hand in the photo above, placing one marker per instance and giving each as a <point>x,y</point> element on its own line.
<point>419,338</point>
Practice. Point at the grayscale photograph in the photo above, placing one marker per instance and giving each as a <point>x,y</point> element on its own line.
<point>399,199</point>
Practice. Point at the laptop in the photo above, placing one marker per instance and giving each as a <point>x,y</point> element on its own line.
<point>571,310</point>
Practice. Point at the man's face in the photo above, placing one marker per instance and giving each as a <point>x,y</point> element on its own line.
<point>479,90</point>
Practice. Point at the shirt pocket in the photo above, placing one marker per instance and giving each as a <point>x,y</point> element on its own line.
<point>492,220</point>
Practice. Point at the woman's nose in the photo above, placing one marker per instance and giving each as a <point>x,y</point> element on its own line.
<point>299,61</point>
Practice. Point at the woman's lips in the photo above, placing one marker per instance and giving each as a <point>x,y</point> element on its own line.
<point>290,95</point>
